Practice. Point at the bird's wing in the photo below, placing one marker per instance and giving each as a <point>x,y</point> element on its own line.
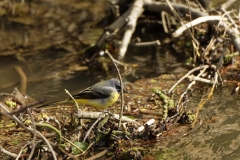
<point>90,93</point>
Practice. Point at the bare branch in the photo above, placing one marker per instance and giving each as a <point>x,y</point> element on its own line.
<point>136,11</point>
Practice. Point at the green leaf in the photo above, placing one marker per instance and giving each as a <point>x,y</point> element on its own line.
<point>81,145</point>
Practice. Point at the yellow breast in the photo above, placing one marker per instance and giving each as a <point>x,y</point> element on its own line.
<point>100,103</point>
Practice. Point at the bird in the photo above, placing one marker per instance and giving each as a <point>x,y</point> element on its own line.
<point>101,95</point>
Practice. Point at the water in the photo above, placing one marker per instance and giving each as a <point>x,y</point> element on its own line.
<point>217,138</point>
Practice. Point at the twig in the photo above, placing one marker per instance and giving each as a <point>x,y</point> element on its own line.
<point>76,104</point>
<point>110,31</point>
<point>119,23</point>
<point>65,139</point>
<point>165,21</point>
<point>89,146</point>
<point>67,153</point>
<point>183,94</point>
<point>156,6</point>
<point>20,152</point>
<point>51,127</point>
<point>189,87</point>
<point>233,33</point>
<point>186,75</point>
<point>13,117</point>
<point>214,84</point>
<point>205,98</point>
<point>200,105</point>
<point>121,84</point>
<point>34,136</point>
<point>194,78</point>
<point>90,129</point>
<point>149,122</point>
<point>209,47</point>
<point>197,21</point>
<point>95,115</point>
<point>227,4</point>
<point>195,42</point>
<point>146,44</point>
<point>2,150</point>
<point>23,81</point>
<point>228,17</point>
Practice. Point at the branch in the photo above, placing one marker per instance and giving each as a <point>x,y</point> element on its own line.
<point>233,33</point>
<point>181,9</point>
<point>95,115</point>
<point>195,22</point>
<point>136,11</point>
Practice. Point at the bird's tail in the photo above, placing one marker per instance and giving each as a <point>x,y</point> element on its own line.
<point>54,104</point>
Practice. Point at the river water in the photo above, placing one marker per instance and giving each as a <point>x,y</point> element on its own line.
<point>217,135</point>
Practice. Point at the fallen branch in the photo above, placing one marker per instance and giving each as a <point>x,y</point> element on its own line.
<point>136,11</point>
<point>95,115</point>
<point>195,22</point>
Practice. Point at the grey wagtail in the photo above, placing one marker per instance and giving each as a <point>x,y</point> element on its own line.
<point>101,95</point>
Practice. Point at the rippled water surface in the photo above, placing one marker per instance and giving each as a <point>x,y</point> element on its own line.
<point>217,138</point>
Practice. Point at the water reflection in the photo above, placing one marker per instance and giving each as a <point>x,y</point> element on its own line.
<point>48,74</point>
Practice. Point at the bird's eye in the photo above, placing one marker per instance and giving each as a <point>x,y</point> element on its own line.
<point>118,87</point>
